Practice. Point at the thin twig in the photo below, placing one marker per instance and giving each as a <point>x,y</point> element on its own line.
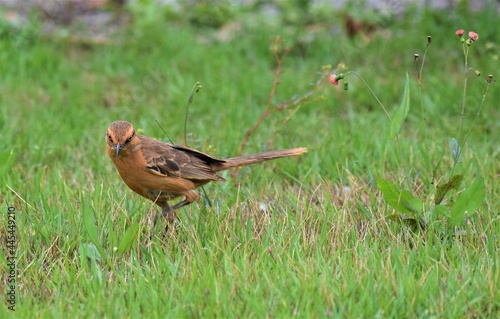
<point>267,112</point>
<point>279,57</point>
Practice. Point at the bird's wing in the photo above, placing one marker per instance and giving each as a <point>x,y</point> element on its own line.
<point>177,161</point>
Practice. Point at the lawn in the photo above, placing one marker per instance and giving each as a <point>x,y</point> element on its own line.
<point>306,237</point>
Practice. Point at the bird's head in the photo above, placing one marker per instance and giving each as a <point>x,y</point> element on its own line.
<point>121,138</point>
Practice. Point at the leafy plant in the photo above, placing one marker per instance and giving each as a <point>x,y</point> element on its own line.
<point>415,210</point>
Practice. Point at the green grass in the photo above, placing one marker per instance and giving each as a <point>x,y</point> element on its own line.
<point>304,237</point>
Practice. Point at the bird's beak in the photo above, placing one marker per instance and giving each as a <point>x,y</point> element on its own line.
<point>118,148</point>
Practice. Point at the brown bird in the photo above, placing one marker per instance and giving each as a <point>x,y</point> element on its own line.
<point>161,171</point>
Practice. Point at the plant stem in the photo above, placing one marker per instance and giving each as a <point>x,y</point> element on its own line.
<point>373,93</point>
<point>420,76</point>
<point>478,112</point>
<point>251,130</point>
<point>462,114</point>
<point>196,88</point>
<point>403,162</point>
<point>267,112</point>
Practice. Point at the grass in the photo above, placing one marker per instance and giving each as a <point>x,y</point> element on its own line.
<point>304,237</point>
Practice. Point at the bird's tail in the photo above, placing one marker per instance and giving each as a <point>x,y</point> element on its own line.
<point>257,158</point>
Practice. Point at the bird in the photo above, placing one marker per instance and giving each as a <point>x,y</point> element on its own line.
<point>161,171</point>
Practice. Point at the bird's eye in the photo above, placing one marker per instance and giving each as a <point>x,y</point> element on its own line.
<point>130,138</point>
<point>110,139</point>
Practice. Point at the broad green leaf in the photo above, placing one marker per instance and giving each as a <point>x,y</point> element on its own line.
<point>90,251</point>
<point>128,238</point>
<point>468,201</point>
<point>413,204</point>
<point>414,223</point>
<point>441,210</point>
<point>443,189</point>
<point>402,201</point>
<point>402,112</point>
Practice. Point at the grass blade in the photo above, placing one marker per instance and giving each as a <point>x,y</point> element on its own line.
<point>128,238</point>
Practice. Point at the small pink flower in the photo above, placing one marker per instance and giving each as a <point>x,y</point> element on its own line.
<point>473,36</point>
<point>459,32</point>
<point>333,79</point>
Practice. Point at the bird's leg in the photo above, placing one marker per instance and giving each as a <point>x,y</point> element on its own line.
<point>164,207</point>
<point>180,204</point>
<point>168,212</point>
